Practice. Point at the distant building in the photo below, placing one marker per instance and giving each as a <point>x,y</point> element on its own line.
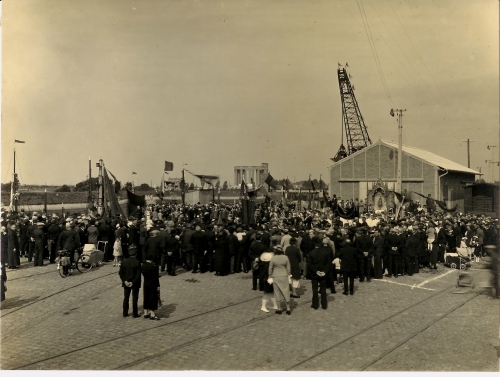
<point>482,198</point>
<point>257,173</point>
<point>372,171</point>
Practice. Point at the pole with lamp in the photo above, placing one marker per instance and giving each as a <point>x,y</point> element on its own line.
<point>399,184</point>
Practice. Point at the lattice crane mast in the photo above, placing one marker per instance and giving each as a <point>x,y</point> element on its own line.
<point>353,124</point>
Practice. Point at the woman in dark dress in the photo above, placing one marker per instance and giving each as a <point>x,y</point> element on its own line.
<point>12,247</point>
<point>293,254</point>
<point>151,286</point>
<point>5,254</point>
<point>221,253</point>
<point>264,260</point>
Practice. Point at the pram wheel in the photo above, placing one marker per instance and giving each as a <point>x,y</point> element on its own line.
<point>453,265</point>
<point>99,263</point>
<point>463,266</point>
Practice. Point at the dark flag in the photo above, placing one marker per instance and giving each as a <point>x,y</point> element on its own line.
<point>243,188</point>
<point>169,166</point>
<point>134,173</point>
<point>135,201</point>
<point>118,186</point>
<point>22,142</point>
<point>312,185</point>
<point>269,179</point>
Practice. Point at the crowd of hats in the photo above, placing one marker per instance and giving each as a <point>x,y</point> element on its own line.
<point>275,217</point>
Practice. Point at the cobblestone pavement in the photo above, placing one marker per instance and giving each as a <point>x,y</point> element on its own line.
<point>418,323</point>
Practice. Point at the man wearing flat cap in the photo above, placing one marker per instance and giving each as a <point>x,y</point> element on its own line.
<point>40,244</point>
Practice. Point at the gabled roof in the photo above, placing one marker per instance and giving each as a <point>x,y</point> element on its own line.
<point>424,155</point>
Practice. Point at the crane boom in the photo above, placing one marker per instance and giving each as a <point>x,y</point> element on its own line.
<point>353,124</point>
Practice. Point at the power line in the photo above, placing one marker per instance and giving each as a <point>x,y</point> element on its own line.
<point>7,171</point>
<point>404,54</point>
<point>374,50</point>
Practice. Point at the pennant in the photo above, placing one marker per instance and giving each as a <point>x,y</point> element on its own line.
<point>23,142</point>
<point>312,185</point>
<point>134,173</point>
<point>169,166</point>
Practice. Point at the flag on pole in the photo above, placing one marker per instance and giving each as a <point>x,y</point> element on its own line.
<point>269,179</point>
<point>169,166</point>
<point>312,184</point>
<point>243,188</point>
<point>134,173</point>
<point>19,141</point>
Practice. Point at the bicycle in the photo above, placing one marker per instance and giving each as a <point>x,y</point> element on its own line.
<point>66,267</point>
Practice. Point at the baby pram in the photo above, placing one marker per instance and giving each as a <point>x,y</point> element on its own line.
<point>457,260</point>
<point>91,256</point>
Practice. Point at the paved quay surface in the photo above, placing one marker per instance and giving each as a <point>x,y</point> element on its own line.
<point>418,323</point>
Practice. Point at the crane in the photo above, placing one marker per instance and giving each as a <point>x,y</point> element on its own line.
<point>353,124</point>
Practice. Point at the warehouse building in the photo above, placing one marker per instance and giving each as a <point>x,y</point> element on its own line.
<point>373,171</point>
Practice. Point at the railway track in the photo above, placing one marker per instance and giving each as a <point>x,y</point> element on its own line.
<point>131,364</point>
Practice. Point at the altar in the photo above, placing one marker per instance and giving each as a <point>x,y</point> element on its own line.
<point>380,198</point>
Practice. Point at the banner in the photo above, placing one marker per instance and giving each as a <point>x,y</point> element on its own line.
<point>269,179</point>
<point>135,201</point>
<point>169,166</point>
<point>349,214</point>
<point>110,200</point>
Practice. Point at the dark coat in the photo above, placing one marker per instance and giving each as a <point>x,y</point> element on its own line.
<point>12,243</point>
<point>319,259</point>
<point>133,235</point>
<point>393,244</point>
<point>364,244</point>
<point>152,249</point>
<point>411,246</point>
<point>306,245</point>
<point>293,254</point>
<point>199,242</point>
<point>130,270</point>
<point>151,285</point>
<point>348,256</point>
<point>53,232</point>
<point>221,255</point>
<point>233,244</point>
<point>256,248</point>
<point>68,240</point>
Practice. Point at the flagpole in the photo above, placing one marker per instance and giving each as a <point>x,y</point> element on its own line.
<point>309,205</point>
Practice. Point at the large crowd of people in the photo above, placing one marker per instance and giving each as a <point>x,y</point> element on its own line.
<point>281,246</point>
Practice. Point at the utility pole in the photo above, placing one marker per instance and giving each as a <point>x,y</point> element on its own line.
<point>183,184</point>
<point>399,184</point>
<point>468,141</point>
<point>492,161</point>
<point>90,180</point>
<point>15,188</point>
<point>100,190</point>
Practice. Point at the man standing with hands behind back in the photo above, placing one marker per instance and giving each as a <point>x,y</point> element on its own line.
<point>130,274</point>
<point>319,263</point>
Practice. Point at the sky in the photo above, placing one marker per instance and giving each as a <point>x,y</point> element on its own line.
<point>216,84</point>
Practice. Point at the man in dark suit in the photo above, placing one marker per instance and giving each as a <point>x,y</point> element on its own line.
<point>319,263</point>
<point>365,245</point>
<point>256,249</point>
<point>234,245</point>
<point>130,274</point>
<point>348,256</point>
<point>393,246</point>
<point>53,233</point>
<point>199,242</point>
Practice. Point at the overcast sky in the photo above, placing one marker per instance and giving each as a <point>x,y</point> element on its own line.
<point>216,84</point>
